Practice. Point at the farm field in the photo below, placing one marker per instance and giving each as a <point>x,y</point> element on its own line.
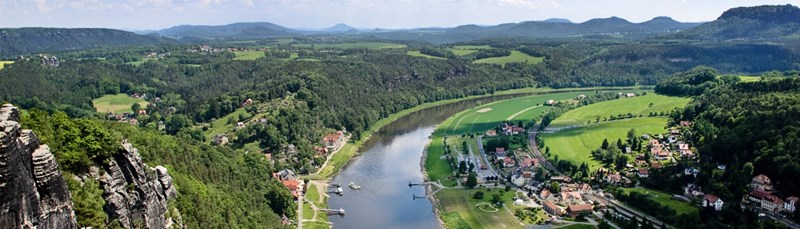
<point>484,117</point>
<point>636,105</point>
<point>419,54</point>
<point>680,207</point>
<point>3,63</point>
<point>463,50</point>
<point>462,203</point>
<point>119,103</point>
<point>248,55</point>
<point>576,144</point>
<point>368,45</point>
<point>515,57</point>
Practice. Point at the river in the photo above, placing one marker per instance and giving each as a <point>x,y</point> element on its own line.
<point>388,161</point>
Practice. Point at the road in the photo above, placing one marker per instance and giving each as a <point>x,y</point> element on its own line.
<point>535,148</point>
<point>780,218</point>
<point>481,172</point>
<point>485,159</point>
<point>653,221</point>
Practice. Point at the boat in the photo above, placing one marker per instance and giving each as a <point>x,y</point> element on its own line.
<point>354,186</point>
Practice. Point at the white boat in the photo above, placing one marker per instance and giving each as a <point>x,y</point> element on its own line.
<point>354,186</point>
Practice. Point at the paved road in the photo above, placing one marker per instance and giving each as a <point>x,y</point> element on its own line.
<point>535,148</point>
<point>653,221</point>
<point>485,159</point>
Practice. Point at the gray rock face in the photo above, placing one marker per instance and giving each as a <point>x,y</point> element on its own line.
<point>136,194</point>
<point>32,192</point>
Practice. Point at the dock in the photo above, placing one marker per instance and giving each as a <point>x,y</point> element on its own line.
<point>339,211</point>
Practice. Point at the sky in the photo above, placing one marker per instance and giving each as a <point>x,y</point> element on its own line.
<point>160,14</point>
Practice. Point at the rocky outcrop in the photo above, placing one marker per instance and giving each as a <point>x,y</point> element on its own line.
<point>33,193</point>
<point>136,194</point>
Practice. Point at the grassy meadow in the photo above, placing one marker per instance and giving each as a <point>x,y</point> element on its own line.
<point>636,105</point>
<point>463,204</point>
<point>3,63</point>
<point>680,207</point>
<point>248,55</point>
<point>367,45</point>
<point>463,50</point>
<point>576,144</point>
<point>119,103</point>
<point>419,54</point>
<point>515,57</point>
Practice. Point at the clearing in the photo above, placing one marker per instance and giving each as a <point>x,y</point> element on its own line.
<point>248,55</point>
<point>119,103</point>
<point>420,54</point>
<point>463,50</point>
<point>515,57</point>
<point>576,144</point>
<point>639,105</point>
<point>3,63</point>
<point>367,45</point>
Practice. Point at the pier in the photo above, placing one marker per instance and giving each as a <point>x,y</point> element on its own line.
<point>339,211</point>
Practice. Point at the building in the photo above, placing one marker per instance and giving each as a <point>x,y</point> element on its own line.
<point>561,179</point>
<point>576,209</point>
<point>581,97</point>
<point>568,198</point>
<point>761,182</point>
<point>642,173</point>
<point>552,208</point>
<point>790,203</point>
<point>220,140</point>
<point>285,174</point>
<point>293,186</point>
<point>613,178</point>
<point>630,95</point>
<point>765,200</point>
<point>491,133</point>
<point>247,102</point>
<point>509,162</point>
<point>530,163</point>
<point>550,102</point>
<point>333,141</point>
<point>545,194</point>
<point>713,201</point>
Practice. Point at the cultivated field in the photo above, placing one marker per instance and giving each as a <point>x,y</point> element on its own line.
<point>680,207</point>
<point>636,105</point>
<point>3,63</point>
<point>419,54</point>
<point>248,55</point>
<point>462,203</point>
<point>576,144</point>
<point>368,45</point>
<point>119,103</point>
<point>485,117</point>
<point>515,57</point>
<point>463,50</point>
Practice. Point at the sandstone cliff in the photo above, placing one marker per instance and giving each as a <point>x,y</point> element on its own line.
<point>32,192</point>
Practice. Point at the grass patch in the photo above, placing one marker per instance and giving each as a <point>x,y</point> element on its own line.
<point>636,105</point>
<point>308,213</point>
<point>680,207</point>
<point>419,54</point>
<point>316,225</point>
<point>438,169</point>
<point>119,103</point>
<point>515,57</point>
<point>367,45</point>
<point>3,63</point>
<point>460,202</point>
<point>222,125</point>
<point>576,144</point>
<point>463,50</point>
<point>248,55</point>
<point>577,226</point>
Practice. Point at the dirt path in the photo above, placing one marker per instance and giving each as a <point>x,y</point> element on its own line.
<point>520,112</point>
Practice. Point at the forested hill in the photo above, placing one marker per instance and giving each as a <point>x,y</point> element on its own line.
<point>235,30</point>
<point>750,23</point>
<point>20,41</point>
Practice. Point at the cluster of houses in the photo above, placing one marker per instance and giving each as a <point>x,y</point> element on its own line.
<point>49,61</point>
<point>290,181</point>
<point>569,201</point>
<point>764,197</point>
<point>506,129</point>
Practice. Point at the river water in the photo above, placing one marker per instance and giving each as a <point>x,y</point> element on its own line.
<point>389,160</point>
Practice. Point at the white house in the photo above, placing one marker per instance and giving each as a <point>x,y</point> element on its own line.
<point>712,200</point>
<point>790,203</point>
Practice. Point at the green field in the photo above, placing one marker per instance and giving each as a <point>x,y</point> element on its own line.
<point>484,117</point>
<point>576,144</point>
<point>119,103</point>
<point>515,57</point>
<point>577,226</point>
<point>463,50</point>
<point>680,207</point>
<point>4,62</point>
<point>419,54</point>
<point>248,55</point>
<point>221,125</point>
<point>637,105</point>
<point>461,202</point>
<point>368,45</point>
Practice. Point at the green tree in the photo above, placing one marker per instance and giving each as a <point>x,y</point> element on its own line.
<point>605,143</point>
<point>472,180</point>
<point>88,202</point>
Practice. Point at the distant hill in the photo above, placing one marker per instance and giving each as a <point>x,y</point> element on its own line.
<point>661,24</point>
<point>20,41</point>
<point>750,23</point>
<point>558,20</point>
<point>235,30</point>
<point>341,27</point>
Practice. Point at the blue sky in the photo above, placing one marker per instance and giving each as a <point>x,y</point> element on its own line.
<point>158,14</point>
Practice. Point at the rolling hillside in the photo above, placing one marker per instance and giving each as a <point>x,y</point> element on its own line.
<point>21,41</point>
